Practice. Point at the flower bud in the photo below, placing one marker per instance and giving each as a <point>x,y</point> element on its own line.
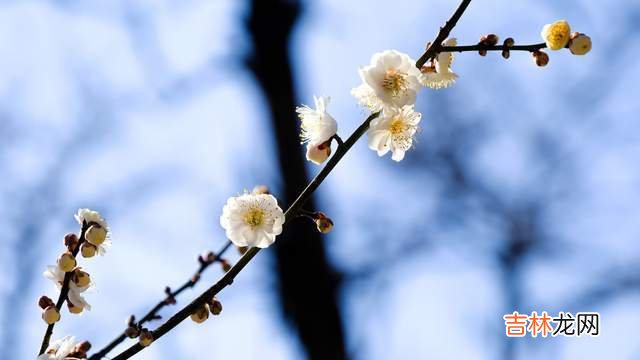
<point>66,262</point>
<point>242,249</point>
<point>209,257</point>
<point>541,58</point>
<point>71,241</point>
<point>490,39</point>
<point>81,278</point>
<point>201,314</point>
<point>319,153</point>
<point>508,43</point>
<point>260,189</point>
<point>225,265</point>
<point>51,315</point>
<point>146,337</point>
<point>215,306</point>
<point>580,44</point>
<point>323,223</point>
<point>88,250</point>
<point>556,35</point>
<point>44,302</point>
<point>96,234</point>
<point>84,346</point>
<point>73,308</point>
<point>131,332</point>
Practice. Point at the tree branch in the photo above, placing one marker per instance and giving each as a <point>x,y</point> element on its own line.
<point>433,49</point>
<point>228,278</point>
<point>153,313</point>
<point>478,47</point>
<point>64,291</point>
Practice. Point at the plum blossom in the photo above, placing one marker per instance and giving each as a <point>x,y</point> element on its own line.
<point>318,128</point>
<point>394,131</point>
<point>252,220</point>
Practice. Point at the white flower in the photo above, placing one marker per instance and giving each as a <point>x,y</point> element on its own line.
<point>252,220</point>
<point>439,75</point>
<point>367,97</point>
<point>318,128</point>
<point>392,80</point>
<point>91,216</point>
<point>56,275</point>
<point>393,130</point>
<point>59,349</point>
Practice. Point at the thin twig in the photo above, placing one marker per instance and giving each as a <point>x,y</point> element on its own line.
<point>228,278</point>
<point>432,50</point>
<point>478,47</point>
<point>64,291</point>
<point>153,313</point>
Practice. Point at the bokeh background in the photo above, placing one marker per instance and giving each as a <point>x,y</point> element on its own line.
<point>522,192</point>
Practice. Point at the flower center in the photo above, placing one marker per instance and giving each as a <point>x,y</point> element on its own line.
<point>397,126</point>
<point>394,82</point>
<point>254,217</point>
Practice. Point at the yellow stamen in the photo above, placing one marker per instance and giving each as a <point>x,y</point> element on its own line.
<point>394,82</point>
<point>397,126</point>
<point>254,217</point>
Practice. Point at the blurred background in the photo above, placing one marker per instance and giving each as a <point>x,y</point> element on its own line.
<point>522,192</point>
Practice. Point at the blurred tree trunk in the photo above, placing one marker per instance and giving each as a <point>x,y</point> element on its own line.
<point>308,285</point>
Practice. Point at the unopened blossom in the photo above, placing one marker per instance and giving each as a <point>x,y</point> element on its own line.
<point>556,35</point>
<point>74,296</point>
<point>98,233</point>
<point>391,80</point>
<point>439,74</point>
<point>394,131</point>
<point>59,349</point>
<point>318,128</point>
<point>252,220</point>
<point>580,44</point>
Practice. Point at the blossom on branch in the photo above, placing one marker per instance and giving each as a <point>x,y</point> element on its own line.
<point>394,131</point>
<point>252,220</point>
<point>556,35</point>
<point>97,233</point>
<point>79,303</point>
<point>317,129</point>
<point>390,80</point>
<point>59,349</point>
<point>439,75</point>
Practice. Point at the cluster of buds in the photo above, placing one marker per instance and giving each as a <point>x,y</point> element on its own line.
<point>66,274</point>
<point>80,351</point>
<point>213,306</point>
<point>558,36</point>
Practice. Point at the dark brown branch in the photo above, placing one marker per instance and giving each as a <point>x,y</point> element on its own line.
<point>228,278</point>
<point>433,49</point>
<point>64,291</point>
<point>478,47</point>
<point>153,313</point>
